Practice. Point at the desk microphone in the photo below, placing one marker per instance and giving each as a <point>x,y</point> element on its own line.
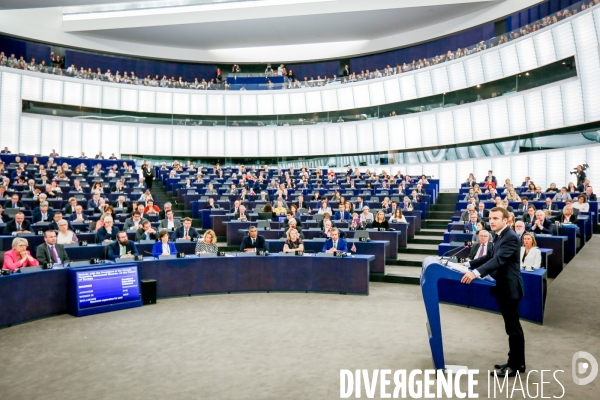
<point>149,253</point>
<point>455,251</point>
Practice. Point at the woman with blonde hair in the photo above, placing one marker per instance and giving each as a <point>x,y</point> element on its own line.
<point>293,242</point>
<point>208,243</point>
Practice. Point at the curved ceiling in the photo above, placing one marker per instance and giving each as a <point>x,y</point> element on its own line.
<point>251,31</point>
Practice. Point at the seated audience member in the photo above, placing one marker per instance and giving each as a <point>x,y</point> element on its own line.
<point>562,195</point>
<point>366,216</point>
<point>471,226</point>
<point>335,243</point>
<point>19,256</point>
<point>163,213</point>
<point>541,225</point>
<point>146,232</point>
<point>3,217</point>
<point>121,204</point>
<point>211,205</point>
<point>406,204</point>
<point>520,229</point>
<point>51,252</point>
<point>471,195</point>
<point>14,202</point>
<point>567,216</point>
<point>481,211</point>
<point>529,216</point>
<point>78,215</point>
<point>398,217</point>
<point>253,242</point>
<point>380,221</point>
<point>163,247</point>
<point>293,242</point>
<point>483,247</point>
<point>589,194</point>
<point>185,231</point>
<point>43,214</point>
<point>64,234</point>
<point>465,216</point>
<point>122,247</point>
<point>280,209</point>
<point>549,205</point>
<point>328,227</point>
<point>324,208</point>
<point>326,217</point>
<point>531,256</point>
<point>512,195</point>
<point>169,223</point>
<point>582,205</point>
<point>241,214</point>
<point>150,208</point>
<point>108,232</point>
<point>341,214</point>
<point>17,225</point>
<point>94,203</point>
<point>70,208</point>
<point>524,204</point>
<point>133,223</point>
<point>552,188</point>
<point>504,204</point>
<point>208,243</point>
<point>538,195</point>
<point>293,224</point>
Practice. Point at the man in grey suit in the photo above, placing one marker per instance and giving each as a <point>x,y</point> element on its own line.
<point>134,222</point>
<point>50,252</point>
<point>169,223</point>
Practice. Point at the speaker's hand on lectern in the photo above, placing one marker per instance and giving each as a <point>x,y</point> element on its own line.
<point>468,277</point>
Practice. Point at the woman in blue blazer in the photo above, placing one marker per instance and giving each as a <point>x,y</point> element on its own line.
<point>163,246</point>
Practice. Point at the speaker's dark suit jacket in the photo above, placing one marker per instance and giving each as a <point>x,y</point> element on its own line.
<point>503,265</point>
<point>42,254</point>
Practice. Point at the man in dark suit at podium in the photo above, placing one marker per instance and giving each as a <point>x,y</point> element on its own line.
<point>503,265</point>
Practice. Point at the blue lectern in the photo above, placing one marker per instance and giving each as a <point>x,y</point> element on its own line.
<point>432,273</point>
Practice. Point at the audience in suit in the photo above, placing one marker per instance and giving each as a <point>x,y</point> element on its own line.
<point>122,247</point>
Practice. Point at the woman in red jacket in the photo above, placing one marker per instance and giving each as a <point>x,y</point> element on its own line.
<point>19,256</point>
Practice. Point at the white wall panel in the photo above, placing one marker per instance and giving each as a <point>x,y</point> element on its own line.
<point>216,142</point>
<point>145,141</point>
<point>553,108</point>
<point>146,101</point>
<point>90,138</point>
<point>53,91</point>
<point>199,142</point>
<point>316,141</point>
<point>51,135</point>
<point>380,136</point>
<point>573,157</point>
<point>111,140</point>
<point>300,141</point>
<point>564,41</point>
<point>423,82</point>
<point>463,169</point>
<point>215,104</point>
<point>432,170</point>
<point>30,136</point>
<point>233,138</point>
<point>281,103</point>
<point>232,104</point>
<point>71,139</point>
<point>480,122</point>
<point>364,136</point>
<point>250,143</point>
<point>248,103</point>
<point>428,130</point>
<point>198,104</point>
<point>313,101</point>
<point>440,81</point>
<point>345,98</point>
<point>474,71</point>
<point>164,102</point>
<point>10,110</point>
<point>445,127</point>
<point>463,131</point>
<point>392,90</point>
<point>265,104</point>
<point>348,136</point>
<point>377,93</point>
<point>92,96</point>
<point>361,96</point>
<point>267,143</point>
<point>588,64</point>
<point>181,142</point>
<point>333,140</point>
<point>283,140</point>
<point>73,93</point>
<point>544,48</point>
<point>129,139</point>
<point>412,132</point>
<point>111,97</point>
<point>519,164</point>
<point>329,100</point>
<point>527,57</point>
<point>492,66</point>
<point>456,76</point>
<point>181,103</point>
<point>499,126</point>
<point>510,60</point>
<point>501,168</point>
<point>297,103</point>
<point>31,88</point>
<point>555,170</point>
<point>129,99</point>
<point>448,178</point>
<point>163,141</point>
<point>396,134</point>
<point>408,87</point>
<point>572,99</point>
<point>516,115</point>
<point>534,111</point>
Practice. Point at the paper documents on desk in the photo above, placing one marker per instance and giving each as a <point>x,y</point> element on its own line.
<point>457,267</point>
